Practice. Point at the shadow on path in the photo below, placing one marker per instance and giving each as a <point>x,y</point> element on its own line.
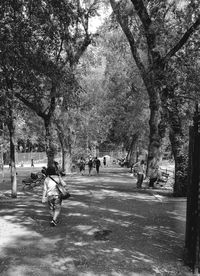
<point>107,228</point>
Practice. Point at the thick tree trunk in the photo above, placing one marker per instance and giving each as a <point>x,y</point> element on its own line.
<point>65,143</point>
<point>180,157</point>
<point>157,127</point>
<point>49,141</point>
<point>66,161</point>
<point>11,127</point>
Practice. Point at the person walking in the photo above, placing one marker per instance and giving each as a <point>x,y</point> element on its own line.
<point>140,168</point>
<point>32,162</point>
<point>82,165</point>
<point>51,194</point>
<point>155,175</point>
<point>104,161</point>
<point>90,165</point>
<point>97,164</point>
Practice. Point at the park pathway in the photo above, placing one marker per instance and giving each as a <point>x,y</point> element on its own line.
<point>108,228</point>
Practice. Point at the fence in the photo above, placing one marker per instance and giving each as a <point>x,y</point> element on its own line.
<point>41,157</point>
<point>38,157</point>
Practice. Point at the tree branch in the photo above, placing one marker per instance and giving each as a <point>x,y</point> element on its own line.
<point>142,13</point>
<point>81,49</point>
<point>146,23</point>
<point>124,25</point>
<point>31,105</point>
<point>183,40</point>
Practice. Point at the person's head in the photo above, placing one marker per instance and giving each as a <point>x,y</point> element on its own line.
<point>51,171</point>
<point>44,170</point>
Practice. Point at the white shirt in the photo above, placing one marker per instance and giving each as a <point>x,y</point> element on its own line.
<point>50,186</point>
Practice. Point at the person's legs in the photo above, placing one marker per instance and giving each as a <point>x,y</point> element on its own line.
<point>56,210</point>
<point>140,178</point>
<point>81,170</point>
<point>151,182</point>
<point>51,206</point>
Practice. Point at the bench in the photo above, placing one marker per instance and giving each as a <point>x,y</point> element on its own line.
<point>163,178</point>
<point>36,179</point>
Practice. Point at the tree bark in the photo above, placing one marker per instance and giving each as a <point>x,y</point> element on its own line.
<point>50,142</point>
<point>66,160</point>
<point>132,152</point>
<point>177,140</point>
<point>66,147</point>
<point>11,128</point>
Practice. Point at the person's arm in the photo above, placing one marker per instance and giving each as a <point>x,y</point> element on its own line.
<point>136,164</point>
<point>62,182</point>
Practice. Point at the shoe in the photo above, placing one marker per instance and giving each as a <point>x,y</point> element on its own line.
<point>53,223</point>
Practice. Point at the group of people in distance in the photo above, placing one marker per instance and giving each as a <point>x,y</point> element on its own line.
<point>91,163</point>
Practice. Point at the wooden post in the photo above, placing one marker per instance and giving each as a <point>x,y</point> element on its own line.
<point>192,240</point>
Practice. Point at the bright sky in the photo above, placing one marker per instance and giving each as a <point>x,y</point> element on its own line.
<point>97,21</point>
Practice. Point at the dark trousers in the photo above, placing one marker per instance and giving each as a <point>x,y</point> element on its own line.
<point>152,181</point>
<point>97,169</point>
<point>140,178</point>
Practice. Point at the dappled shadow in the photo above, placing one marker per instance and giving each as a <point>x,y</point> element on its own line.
<point>107,228</point>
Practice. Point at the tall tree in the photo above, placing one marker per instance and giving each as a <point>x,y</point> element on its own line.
<point>47,38</point>
<point>140,23</point>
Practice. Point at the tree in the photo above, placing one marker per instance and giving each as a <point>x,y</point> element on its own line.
<point>49,38</point>
<point>7,110</point>
<point>141,23</point>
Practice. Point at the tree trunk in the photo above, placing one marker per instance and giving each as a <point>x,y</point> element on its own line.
<point>50,144</point>
<point>132,153</point>
<point>66,161</point>
<point>180,156</point>
<point>11,127</point>
<point>2,161</point>
<point>65,143</point>
<point>157,127</point>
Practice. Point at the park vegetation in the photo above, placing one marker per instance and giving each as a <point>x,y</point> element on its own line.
<point>130,84</point>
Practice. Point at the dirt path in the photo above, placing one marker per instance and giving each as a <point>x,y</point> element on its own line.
<point>107,228</point>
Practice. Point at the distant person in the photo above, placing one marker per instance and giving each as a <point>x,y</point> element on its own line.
<point>155,175</point>
<point>104,161</point>
<point>32,162</point>
<point>82,165</point>
<point>51,194</point>
<point>58,168</point>
<point>56,165</point>
<point>97,164</point>
<point>140,168</point>
<point>90,165</point>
